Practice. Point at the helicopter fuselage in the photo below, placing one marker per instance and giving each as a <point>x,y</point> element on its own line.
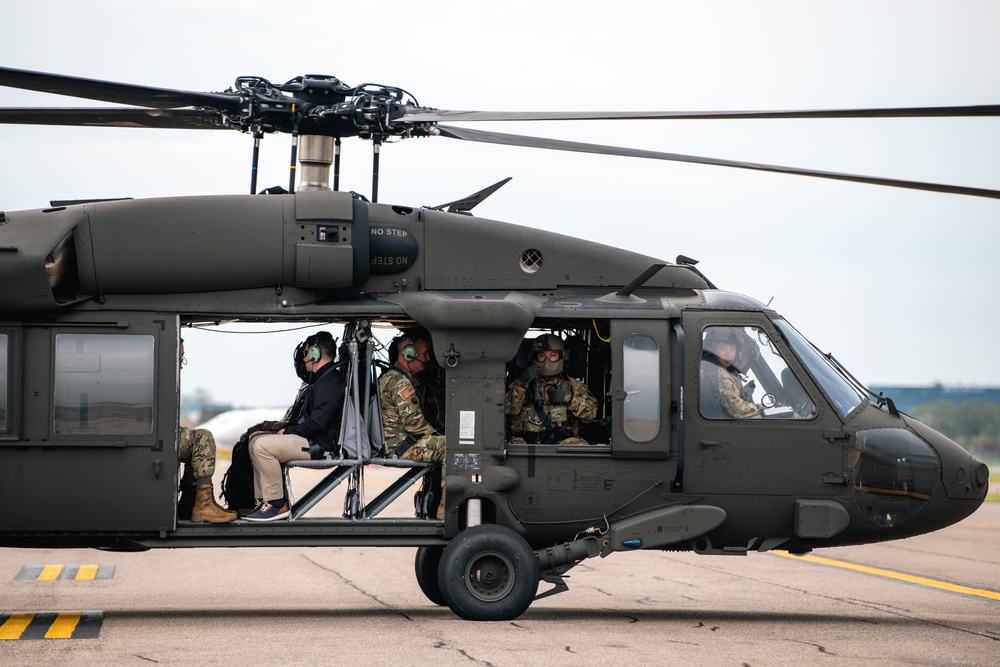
<point>99,292</point>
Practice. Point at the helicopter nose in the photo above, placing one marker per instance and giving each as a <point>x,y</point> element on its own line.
<point>903,473</point>
<point>970,478</point>
<point>979,476</point>
<point>963,476</point>
<point>982,477</point>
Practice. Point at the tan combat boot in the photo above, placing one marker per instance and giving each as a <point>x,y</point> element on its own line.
<point>206,510</point>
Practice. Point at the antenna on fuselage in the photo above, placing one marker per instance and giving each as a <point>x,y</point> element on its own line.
<point>466,204</point>
<point>640,280</point>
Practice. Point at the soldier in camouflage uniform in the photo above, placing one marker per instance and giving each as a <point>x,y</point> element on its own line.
<point>546,405</point>
<point>196,450</point>
<point>729,389</point>
<point>408,434</point>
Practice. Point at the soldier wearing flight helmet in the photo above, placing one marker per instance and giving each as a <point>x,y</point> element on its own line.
<point>544,404</point>
<point>730,390</point>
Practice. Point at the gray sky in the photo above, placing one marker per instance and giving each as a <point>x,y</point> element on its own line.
<point>895,283</point>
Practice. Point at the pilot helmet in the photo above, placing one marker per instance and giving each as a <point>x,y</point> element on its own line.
<point>545,343</point>
<point>716,335</point>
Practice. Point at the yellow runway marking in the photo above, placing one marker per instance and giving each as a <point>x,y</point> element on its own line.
<point>64,625</point>
<point>34,625</point>
<point>16,624</point>
<point>899,576</point>
<point>87,572</point>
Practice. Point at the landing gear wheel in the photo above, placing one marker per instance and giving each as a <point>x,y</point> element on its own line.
<point>426,567</point>
<point>488,573</point>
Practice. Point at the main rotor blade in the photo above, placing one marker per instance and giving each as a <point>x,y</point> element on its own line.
<point>110,91</point>
<point>415,115</point>
<point>176,119</point>
<point>557,144</point>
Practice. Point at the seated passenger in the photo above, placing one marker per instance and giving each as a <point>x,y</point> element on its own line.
<point>196,450</point>
<point>545,404</point>
<point>725,392</point>
<point>292,413</point>
<point>408,434</point>
<point>237,484</point>
<point>316,429</point>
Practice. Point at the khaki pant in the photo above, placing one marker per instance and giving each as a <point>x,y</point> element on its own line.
<point>268,451</point>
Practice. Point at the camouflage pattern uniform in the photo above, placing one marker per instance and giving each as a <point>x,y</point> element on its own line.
<point>563,420</point>
<point>403,416</point>
<point>290,414</point>
<point>731,395</point>
<point>196,450</point>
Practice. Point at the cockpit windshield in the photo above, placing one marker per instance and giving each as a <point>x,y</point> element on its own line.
<point>844,395</point>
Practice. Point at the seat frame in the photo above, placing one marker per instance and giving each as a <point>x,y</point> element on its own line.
<point>343,469</point>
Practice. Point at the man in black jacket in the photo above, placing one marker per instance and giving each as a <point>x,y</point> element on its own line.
<point>316,429</point>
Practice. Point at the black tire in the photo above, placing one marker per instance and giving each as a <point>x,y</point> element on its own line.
<point>426,567</point>
<point>488,573</point>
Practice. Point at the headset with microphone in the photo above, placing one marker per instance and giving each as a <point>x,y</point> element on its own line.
<point>409,350</point>
<point>313,351</point>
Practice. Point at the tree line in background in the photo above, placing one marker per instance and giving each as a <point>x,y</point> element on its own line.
<point>974,424</point>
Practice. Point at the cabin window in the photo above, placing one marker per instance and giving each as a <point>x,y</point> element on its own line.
<point>104,384</point>
<point>744,376</point>
<point>558,386</point>
<point>641,379</point>
<point>4,381</point>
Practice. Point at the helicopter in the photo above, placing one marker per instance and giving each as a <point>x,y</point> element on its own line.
<point>89,342</point>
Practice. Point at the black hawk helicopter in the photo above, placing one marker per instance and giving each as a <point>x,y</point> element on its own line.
<point>718,427</point>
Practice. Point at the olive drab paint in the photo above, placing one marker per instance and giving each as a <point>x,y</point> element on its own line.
<point>763,443</point>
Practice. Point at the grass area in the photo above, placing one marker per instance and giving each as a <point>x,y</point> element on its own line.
<point>994,495</point>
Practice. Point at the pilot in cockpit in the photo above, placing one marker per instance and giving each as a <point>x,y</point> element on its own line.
<point>725,392</point>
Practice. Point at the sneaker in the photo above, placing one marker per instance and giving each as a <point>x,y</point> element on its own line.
<point>268,512</point>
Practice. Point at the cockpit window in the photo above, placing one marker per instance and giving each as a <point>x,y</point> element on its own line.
<point>838,388</point>
<point>744,376</point>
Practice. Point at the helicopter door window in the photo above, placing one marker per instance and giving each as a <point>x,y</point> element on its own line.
<point>4,381</point>
<point>641,382</point>
<point>103,384</point>
<point>744,376</point>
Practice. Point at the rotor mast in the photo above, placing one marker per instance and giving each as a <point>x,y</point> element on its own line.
<point>316,154</point>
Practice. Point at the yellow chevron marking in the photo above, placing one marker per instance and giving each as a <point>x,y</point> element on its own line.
<point>64,625</point>
<point>16,624</point>
<point>50,573</point>
<point>86,572</point>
